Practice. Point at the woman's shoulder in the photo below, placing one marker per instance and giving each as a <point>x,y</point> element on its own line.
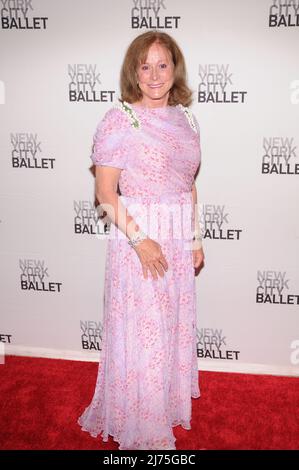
<point>190,117</point>
<point>121,115</point>
<point>114,117</point>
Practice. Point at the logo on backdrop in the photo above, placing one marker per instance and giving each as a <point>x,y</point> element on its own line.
<point>90,220</point>
<point>150,14</point>
<point>85,84</point>
<point>273,288</point>
<point>35,276</point>
<point>216,85</point>
<point>212,344</point>
<point>18,14</point>
<point>285,14</point>
<point>279,157</point>
<point>91,335</point>
<point>5,338</point>
<point>27,152</point>
<point>216,225</point>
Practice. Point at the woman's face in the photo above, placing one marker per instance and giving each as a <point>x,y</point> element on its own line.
<point>156,75</point>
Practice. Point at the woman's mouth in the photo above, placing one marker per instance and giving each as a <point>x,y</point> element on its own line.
<point>156,86</point>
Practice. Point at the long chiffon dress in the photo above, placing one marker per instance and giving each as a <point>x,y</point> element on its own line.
<point>148,369</point>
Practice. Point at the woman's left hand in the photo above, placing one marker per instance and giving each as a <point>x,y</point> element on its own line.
<point>198,257</point>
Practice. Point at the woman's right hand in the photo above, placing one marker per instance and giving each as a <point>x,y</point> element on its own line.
<point>151,258</point>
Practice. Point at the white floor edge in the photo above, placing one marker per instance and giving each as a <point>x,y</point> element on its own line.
<point>203,365</point>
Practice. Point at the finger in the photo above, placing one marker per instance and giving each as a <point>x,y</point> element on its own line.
<point>153,271</point>
<point>144,270</point>
<point>197,260</point>
<point>194,260</point>
<point>159,268</point>
<point>163,261</point>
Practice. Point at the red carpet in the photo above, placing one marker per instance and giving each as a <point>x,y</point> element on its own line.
<point>41,400</point>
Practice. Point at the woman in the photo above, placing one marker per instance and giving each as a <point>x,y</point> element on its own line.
<point>148,144</point>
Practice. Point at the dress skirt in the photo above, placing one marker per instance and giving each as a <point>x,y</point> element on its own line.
<point>148,369</point>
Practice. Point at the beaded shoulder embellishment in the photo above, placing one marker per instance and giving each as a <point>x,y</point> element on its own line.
<point>129,111</point>
<point>188,114</point>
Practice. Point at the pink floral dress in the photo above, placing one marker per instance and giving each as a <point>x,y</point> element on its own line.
<point>148,369</point>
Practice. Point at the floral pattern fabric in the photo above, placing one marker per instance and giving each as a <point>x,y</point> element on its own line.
<point>148,369</point>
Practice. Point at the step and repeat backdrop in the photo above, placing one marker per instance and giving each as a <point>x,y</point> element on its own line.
<point>59,73</point>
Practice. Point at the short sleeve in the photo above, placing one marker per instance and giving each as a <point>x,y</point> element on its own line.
<point>110,146</point>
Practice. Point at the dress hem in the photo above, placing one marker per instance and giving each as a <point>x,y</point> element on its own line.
<point>116,439</point>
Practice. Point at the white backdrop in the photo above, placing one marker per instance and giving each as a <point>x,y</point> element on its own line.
<point>245,64</point>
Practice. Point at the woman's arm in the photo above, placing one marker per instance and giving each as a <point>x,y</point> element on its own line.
<point>106,193</point>
<point>149,251</point>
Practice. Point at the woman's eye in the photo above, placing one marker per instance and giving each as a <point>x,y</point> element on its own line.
<point>144,67</point>
<point>163,66</point>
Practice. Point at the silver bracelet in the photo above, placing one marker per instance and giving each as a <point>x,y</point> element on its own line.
<point>136,238</point>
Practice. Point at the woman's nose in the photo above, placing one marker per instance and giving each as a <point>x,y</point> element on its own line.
<point>154,73</point>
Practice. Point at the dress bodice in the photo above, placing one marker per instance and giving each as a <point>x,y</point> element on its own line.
<point>158,149</point>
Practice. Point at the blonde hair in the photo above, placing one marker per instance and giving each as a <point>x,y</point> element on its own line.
<point>137,53</point>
